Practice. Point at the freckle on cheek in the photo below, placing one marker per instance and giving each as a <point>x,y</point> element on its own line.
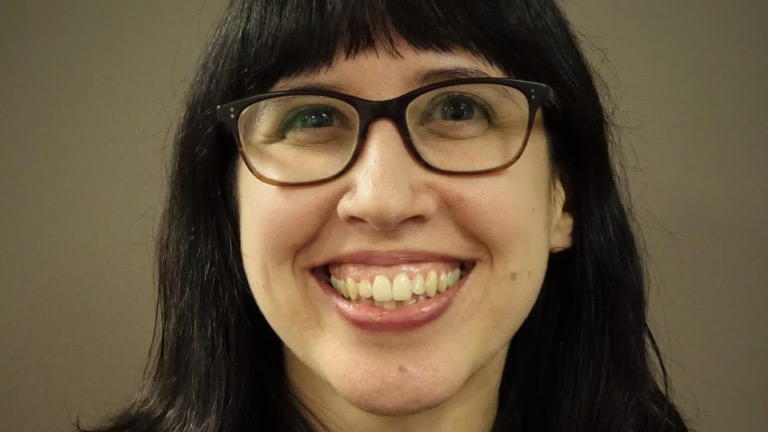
<point>513,276</point>
<point>402,369</point>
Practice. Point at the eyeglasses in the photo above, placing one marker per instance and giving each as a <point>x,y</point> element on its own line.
<point>463,126</point>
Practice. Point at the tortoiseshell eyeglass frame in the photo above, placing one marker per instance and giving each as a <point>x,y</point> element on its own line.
<point>537,95</point>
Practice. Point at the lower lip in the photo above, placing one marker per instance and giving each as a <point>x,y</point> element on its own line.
<point>403,318</point>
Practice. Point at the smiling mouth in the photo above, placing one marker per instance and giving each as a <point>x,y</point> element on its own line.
<point>396,287</point>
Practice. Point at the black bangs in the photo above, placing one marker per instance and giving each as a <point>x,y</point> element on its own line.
<point>280,39</point>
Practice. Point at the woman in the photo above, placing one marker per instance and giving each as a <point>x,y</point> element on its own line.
<point>421,231</point>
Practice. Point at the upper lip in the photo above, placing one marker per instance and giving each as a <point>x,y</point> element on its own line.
<point>390,258</point>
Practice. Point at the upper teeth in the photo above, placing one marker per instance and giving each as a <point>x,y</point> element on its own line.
<point>402,288</point>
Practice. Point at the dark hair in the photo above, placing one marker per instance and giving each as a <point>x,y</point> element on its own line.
<point>584,360</point>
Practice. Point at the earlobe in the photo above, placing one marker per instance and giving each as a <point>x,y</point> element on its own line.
<point>560,237</point>
<point>561,227</point>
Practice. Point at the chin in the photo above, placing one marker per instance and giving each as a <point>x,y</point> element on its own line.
<point>398,396</point>
<point>401,404</point>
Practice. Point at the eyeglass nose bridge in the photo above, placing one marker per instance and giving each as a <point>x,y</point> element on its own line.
<point>392,109</point>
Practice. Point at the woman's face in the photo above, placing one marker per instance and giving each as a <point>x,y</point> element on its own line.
<point>388,217</point>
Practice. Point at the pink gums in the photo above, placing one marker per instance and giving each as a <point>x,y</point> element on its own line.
<point>360,272</point>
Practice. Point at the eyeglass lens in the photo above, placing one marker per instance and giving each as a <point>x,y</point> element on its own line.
<point>460,128</point>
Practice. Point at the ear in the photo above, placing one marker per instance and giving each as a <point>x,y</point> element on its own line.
<point>561,223</point>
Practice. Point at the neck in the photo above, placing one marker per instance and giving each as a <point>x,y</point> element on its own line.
<point>471,409</point>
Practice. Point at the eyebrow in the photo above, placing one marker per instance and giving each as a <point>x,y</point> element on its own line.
<point>302,85</point>
<point>438,75</point>
<point>429,77</point>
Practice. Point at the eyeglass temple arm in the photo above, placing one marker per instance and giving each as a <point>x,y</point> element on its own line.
<point>552,102</point>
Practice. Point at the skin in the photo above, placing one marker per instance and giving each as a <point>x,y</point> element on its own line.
<point>445,375</point>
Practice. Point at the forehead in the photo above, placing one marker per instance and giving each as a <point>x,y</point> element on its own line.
<point>402,69</point>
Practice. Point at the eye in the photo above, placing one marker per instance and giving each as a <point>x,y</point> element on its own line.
<point>457,109</point>
<point>310,117</point>
<point>312,124</point>
<point>455,116</point>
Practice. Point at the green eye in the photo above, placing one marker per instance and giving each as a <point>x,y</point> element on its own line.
<point>313,124</point>
<point>311,117</point>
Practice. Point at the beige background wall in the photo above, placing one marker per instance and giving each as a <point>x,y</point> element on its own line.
<point>89,92</point>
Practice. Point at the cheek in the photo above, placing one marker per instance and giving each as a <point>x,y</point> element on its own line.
<point>508,215</point>
<point>269,227</point>
<point>276,222</point>
<point>509,218</point>
<point>275,225</point>
<point>516,237</point>
<point>509,210</point>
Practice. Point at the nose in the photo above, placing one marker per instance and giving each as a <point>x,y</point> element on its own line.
<point>386,187</point>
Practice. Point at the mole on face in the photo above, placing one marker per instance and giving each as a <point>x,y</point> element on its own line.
<point>402,369</point>
<point>513,276</point>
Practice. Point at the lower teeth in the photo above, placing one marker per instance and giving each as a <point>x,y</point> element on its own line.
<point>389,305</point>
